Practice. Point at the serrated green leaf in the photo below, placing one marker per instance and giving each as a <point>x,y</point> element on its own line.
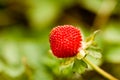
<point>79,66</point>
<point>94,52</point>
<point>66,70</point>
<point>66,63</point>
<point>66,66</point>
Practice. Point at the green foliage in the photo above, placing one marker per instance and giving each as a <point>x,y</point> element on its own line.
<point>73,65</point>
<point>94,52</point>
<point>65,68</point>
<point>24,43</point>
<point>79,66</point>
<point>91,46</point>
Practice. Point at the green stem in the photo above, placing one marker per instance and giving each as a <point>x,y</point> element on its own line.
<point>99,70</point>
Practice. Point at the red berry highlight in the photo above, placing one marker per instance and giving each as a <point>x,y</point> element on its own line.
<point>65,41</point>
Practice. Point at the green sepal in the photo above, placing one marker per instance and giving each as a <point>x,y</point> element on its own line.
<point>79,66</point>
<point>94,51</point>
<point>91,47</point>
<point>90,40</point>
<point>66,65</point>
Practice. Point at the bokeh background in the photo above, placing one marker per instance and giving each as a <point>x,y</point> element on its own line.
<point>24,36</point>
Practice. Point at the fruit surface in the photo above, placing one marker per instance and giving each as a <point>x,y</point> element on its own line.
<point>65,41</point>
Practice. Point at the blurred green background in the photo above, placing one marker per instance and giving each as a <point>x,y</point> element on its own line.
<point>24,36</point>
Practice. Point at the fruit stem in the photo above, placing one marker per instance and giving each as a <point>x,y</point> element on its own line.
<point>99,70</point>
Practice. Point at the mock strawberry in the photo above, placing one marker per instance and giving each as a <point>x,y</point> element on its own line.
<point>65,41</point>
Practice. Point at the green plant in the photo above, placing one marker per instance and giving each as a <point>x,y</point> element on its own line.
<point>66,42</point>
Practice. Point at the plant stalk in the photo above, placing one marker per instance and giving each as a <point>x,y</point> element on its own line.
<point>99,70</point>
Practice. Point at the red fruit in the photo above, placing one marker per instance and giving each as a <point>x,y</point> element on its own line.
<point>65,41</point>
